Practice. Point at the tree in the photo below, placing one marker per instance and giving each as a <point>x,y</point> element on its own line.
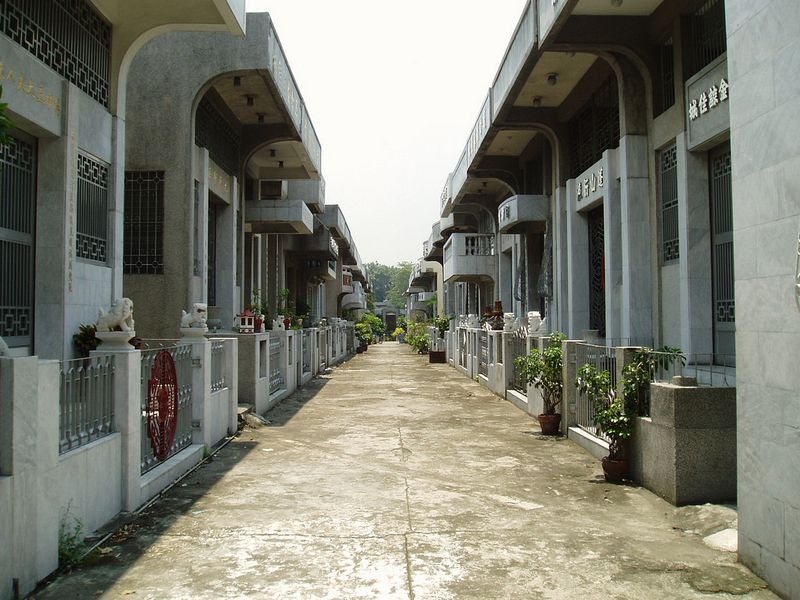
<point>380,276</point>
<point>397,292</point>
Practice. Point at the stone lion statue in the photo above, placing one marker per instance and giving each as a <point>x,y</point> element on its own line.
<point>197,317</point>
<point>118,318</point>
<point>3,348</point>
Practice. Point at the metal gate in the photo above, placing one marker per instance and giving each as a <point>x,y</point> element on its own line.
<point>17,230</point>
<point>722,257</point>
<point>597,272</point>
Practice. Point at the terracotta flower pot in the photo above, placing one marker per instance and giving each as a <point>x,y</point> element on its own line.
<point>550,424</point>
<point>615,470</point>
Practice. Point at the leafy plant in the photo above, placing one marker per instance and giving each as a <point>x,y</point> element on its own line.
<point>364,332</point>
<point>5,123</point>
<point>86,339</point>
<point>442,324</point>
<point>417,336</point>
<point>71,545</point>
<point>639,373</point>
<point>543,371</point>
<point>610,414</point>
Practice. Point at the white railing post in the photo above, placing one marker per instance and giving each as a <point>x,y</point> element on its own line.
<point>232,380</point>
<point>128,421</point>
<point>201,388</point>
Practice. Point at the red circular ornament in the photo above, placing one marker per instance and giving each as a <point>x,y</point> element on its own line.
<point>162,405</point>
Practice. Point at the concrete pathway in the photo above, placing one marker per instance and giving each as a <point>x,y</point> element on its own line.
<point>395,478</point>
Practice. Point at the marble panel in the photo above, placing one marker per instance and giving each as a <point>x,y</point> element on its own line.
<point>752,94</point>
<point>792,518</point>
<point>777,248</point>
<point>781,369</point>
<point>761,517</point>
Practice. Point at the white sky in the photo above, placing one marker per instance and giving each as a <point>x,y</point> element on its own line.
<point>393,90</point>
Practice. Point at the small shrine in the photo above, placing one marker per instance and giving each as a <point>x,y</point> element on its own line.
<point>246,321</point>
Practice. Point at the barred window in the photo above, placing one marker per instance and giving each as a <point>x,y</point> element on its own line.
<point>144,223</point>
<point>92,210</point>
<point>707,35</point>
<point>69,36</point>
<point>668,166</point>
<point>596,128</point>
<point>196,231</point>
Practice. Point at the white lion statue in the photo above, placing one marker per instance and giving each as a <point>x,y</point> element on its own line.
<point>119,318</point>
<point>197,318</point>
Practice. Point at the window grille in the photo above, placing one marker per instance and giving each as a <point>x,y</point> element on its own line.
<point>92,211</point>
<point>144,223</point>
<point>69,36</point>
<point>597,272</point>
<point>212,254</point>
<point>196,233</point>
<point>664,84</point>
<point>213,131</point>
<point>18,193</point>
<point>596,128</point>
<point>668,163</point>
<point>707,34</point>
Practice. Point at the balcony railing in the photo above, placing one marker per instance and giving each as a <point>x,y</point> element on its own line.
<point>87,401</point>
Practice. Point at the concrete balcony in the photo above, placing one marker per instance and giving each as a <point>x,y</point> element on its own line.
<point>432,249</point>
<point>310,191</point>
<point>523,214</point>
<point>457,223</point>
<point>319,246</point>
<point>355,301</point>
<point>320,270</point>
<point>278,216</point>
<point>470,257</point>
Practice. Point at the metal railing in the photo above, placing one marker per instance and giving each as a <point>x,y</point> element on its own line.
<point>277,380</point>
<point>483,352</point>
<point>182,355</point>
<point>218,366</point>
<point>462,348</point>
<point>322,349</point>
<point>306,349</point>
<point>519,347</point>
<point>604,358</point>
<point>86,404</point>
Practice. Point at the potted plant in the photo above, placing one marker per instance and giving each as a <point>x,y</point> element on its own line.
<point>438,352</point>
<point>258,311</point>
<point>417,337</point>
<point>364,335</point>
<point>610,416</point>
<point>614,415</point>
<point>543,371</point>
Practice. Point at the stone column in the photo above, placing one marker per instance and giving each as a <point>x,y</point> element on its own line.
<point>128,421</point>
<point>201,389</point>
<point>577,267</point>
<point>636,300</point>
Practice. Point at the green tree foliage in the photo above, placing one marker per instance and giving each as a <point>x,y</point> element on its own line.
<point>380,277</point>
<point>389,284</point>
<point>5,122</point>
<point>397,292</point>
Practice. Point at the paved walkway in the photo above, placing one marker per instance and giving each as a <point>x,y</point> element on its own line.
<point>394,478</point>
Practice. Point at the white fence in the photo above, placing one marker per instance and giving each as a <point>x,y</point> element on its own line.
<point>74,445</point>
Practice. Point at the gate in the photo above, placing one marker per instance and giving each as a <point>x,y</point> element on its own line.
<point>722,257</point>
<point>17,230</point>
